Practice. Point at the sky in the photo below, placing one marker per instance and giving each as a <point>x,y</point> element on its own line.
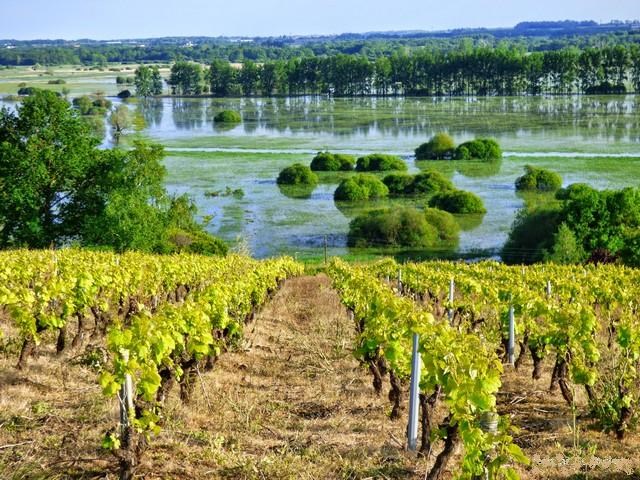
<point>116,19</point>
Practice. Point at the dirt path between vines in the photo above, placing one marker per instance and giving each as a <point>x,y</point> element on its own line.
<point>291,403</point>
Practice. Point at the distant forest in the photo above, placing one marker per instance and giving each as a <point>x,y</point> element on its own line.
<point>527,36</point>
<point>530,59</point>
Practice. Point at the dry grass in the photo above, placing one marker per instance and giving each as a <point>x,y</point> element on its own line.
<point>290,402</point>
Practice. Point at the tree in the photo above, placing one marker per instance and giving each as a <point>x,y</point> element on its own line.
<point>148,81</point>
<point>46,151</point>
<point>249,78</point>
<point>221,78</point>
<point>272,77</point>
<point>186,78</point>
<point>121,121</point>
<point>57,186</point>
<point>566,249</point>
<point>583,223</point>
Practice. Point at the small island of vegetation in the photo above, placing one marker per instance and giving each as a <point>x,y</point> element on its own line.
<point>403,227</point>
<point>332,162</point>
<point>442,147</point>
<point>360,187</point>
<point>380,162</point>
<point>227,116</point>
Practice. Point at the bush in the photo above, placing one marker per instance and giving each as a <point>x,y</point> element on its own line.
<point>360,188</point>
<point>87,106</point>
<point>445,223</point>
<point>426,183</point>
<point>332,162</point>
<point>199,242</point>
<point>59,81</point>
<point>398,183</point>
<point>538,179</point>
<point>227,116</point>
<point>458,201</point>
<point>380,162</point>
<point>404,227</point>
<point>124,94</point>
<point>27,90</point>
<point>565,249</point>
<point>429,182</point>
<point>574,191</point>
<point>440,147</point>
<point>297,174</point>
<point>478,149</point>
<point>530,236</point>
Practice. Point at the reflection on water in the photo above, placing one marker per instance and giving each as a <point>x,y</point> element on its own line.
<point>607,118</point>
<point>277,132</point>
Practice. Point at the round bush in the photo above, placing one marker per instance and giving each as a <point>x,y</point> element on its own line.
<point>440,147</point>
<point>429,182</point>
<point>201,243</point>
<point>445,223</point>
<point>398,183</point>
<point>332,162</point>
<point>574,191</point>
<point>297,174</point>
<point>458,201</point>
<point>380,162</point>
<point>478,149</point>
<point>538,179</point>
<point>227,116</point>
<point>360,188</point>
<point>404,227</point>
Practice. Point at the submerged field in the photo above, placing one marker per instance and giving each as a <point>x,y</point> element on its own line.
<point>595,140</point>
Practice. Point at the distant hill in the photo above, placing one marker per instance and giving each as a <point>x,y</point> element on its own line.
<point>523,29</point>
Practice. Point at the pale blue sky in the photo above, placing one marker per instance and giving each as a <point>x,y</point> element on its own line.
<point>102,19</point>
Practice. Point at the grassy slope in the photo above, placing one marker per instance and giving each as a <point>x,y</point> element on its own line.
<point>291,402</point>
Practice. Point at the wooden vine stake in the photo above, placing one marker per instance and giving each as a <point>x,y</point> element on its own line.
<point>414,391</point>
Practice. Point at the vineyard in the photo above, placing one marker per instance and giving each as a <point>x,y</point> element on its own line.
<point>164,340</point>
<point>162,319</point>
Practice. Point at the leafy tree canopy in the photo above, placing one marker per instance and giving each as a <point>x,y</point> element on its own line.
<point>57,187</point>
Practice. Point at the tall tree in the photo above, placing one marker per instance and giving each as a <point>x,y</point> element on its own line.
<point>249,78</point>
<point>186,78</point>
<point>271,76</point>
<point>148,81</point>
<point>45,153</point>
<point>57,186</point>
<point>121,121</point>
<point>221,78</point>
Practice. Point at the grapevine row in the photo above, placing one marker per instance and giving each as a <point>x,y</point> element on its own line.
<point>458,367</point>
<point>178,342</point>
<point>582,317</point>
<point>46,290</point>
<point>163,320</point>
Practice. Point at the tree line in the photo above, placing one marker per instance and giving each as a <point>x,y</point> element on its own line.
<point>470,71</point>
<point>371,46</point>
